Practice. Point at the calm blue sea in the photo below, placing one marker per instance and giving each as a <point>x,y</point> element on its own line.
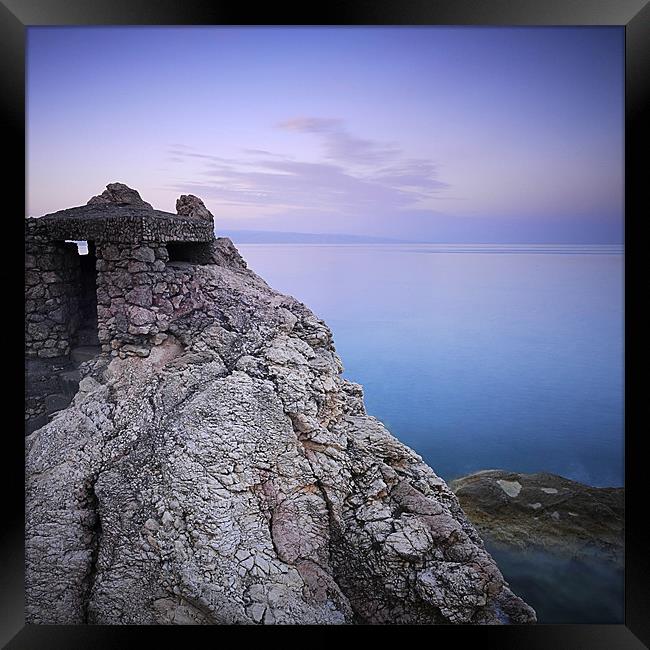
<point>476,356</point>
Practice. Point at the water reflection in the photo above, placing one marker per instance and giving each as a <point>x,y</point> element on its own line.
<point>563,590</point>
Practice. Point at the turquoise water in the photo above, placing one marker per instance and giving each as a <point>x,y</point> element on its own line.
<point>476,356</point>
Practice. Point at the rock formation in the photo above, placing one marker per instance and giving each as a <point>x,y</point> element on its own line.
<point>189,205</point>
<point>120,194</point>
<point>544,512</point>
<point>214,467</point>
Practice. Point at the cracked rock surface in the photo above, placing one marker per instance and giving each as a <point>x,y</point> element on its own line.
<point>233,476</point>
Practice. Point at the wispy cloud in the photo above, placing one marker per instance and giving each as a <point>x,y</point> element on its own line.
<point>178,152</point>
<point>355,177</point>
<point>263,152</point>
<point>339,144</point>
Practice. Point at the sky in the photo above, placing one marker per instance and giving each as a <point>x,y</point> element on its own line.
<point>433,134</point>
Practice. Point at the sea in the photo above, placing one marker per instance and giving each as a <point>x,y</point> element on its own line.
<point>483,356</point>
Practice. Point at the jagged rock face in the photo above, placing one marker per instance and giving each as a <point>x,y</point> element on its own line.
<point>188,205</point>
<point>120,194</point>
<point>232,476</point>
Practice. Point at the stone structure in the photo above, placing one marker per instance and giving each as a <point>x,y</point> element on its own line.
<point>132,284</point>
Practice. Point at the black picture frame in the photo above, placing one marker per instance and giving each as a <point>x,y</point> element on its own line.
<point>17,15</point>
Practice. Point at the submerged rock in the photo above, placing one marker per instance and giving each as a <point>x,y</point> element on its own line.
<point>544,512</point>
<point>225,472</point>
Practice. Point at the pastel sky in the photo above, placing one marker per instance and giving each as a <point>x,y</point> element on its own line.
<point>423,134</point>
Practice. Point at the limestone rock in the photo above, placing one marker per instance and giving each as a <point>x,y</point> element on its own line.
<point>120,194</point>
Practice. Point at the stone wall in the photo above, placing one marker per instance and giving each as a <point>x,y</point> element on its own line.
<point>51,295</point>
<point>139,294</point>
<point>140,269</point>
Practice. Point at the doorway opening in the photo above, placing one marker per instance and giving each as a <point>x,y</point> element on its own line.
<point>87,332</point>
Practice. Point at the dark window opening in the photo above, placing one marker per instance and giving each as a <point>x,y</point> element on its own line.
<point>192,252</point>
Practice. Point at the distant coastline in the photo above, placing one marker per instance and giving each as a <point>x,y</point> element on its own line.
<point>285,237</point>
<point>305,239</point>
<point>277,237</point>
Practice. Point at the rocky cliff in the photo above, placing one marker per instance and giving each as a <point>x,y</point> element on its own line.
<point>228,474</point>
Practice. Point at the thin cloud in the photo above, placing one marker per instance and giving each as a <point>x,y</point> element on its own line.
<point>415,172</point>
<point>355,177</point>
<point>263,152</point>
<point>339,144</point>
<point>311,124</point>
<point>188,152</point>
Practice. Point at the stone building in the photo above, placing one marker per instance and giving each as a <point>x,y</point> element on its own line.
<point>135,282</point>
<point>132,283</point>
